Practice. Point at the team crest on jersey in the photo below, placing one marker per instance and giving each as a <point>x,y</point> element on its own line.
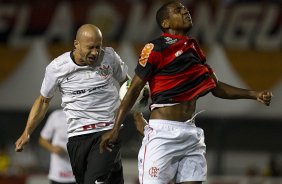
<point>153,172</point>
<point>104,71</point>
<point>145,54</point>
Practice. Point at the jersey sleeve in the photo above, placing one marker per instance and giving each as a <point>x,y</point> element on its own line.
<point>209,68</point>
<point>120,69</point>
<point>145,66</point>
<point>50,82</point>
<point>48,130</point>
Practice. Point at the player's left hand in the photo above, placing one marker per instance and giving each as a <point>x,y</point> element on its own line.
<point>264,97</point>
<point>107,140</point>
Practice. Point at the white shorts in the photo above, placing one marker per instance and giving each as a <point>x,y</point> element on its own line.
<point>172,150</point>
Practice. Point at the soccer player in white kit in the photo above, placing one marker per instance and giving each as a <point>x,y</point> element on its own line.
<point>178,75</point>
<point>53,137</point>
<point>85,77</point>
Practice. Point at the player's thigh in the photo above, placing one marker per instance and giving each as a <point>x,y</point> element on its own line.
<point>100,166</point>
<point>193,167</point>
<point>78,150</point>
<point>156,163</point>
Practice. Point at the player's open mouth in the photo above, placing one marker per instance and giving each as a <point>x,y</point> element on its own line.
<point>91,58</point>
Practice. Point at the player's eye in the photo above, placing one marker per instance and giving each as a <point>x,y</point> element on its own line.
<point>177,10</point>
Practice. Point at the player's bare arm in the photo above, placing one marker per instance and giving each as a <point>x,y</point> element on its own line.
<point>52,148</point>
<point>36,115</point>
<point>139,121</point>
<point>226,91</point>
<point>128,101</point>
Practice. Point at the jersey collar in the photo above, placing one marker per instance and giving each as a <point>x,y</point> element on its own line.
<point>174,36</point>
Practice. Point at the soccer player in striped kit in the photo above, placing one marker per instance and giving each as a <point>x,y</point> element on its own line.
<point>85,78</point>
<point>177,72</point>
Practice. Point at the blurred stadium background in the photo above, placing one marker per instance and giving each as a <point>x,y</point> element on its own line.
<point>243,43</point>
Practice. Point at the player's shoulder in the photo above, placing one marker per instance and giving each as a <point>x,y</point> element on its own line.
<point>60,61</point>
<point>157,44</point>
<point>109,51</point>
<point>110,55</point>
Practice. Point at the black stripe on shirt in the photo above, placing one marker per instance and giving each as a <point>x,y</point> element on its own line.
<point>167,96</point>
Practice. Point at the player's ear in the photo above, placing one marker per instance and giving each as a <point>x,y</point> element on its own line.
<point>76,43</point>
<point>165,24</point>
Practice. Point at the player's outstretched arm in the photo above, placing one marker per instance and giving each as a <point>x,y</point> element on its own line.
<point>36,115</point>
<point>227,91</point>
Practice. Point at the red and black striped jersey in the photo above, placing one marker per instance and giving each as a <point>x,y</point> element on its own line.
<point>176,69</point>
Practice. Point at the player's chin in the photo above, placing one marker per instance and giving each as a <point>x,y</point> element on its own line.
<point>188,27</point>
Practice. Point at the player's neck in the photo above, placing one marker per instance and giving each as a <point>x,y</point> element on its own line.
<point>76,59</point>
<point>176,32</point>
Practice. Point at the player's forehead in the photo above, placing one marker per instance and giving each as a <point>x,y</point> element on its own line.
<point>175,6</point>
<point>91,41</point>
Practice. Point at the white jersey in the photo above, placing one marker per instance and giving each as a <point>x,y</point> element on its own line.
<point>89,96</point>
<point>55,130</point>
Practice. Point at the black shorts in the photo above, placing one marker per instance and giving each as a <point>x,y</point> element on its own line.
<point>89,165</point>
<point>54,182</point>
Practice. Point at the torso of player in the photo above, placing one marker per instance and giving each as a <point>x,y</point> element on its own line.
<point>90,89</point>
<point>88,92</point>
<point>89,95</point>
<point>178,75</point>
<point>180,112</point>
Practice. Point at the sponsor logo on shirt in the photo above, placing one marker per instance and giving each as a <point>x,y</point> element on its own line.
<point>66,174</point>
<point>77,92</point>
<point>170,40</point>
<point>178,53</point>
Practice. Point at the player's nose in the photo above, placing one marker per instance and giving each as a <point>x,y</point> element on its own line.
<point>94,52</point>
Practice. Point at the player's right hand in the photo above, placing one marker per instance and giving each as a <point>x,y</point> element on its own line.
<point>107,140</point>
<point>21,142</point>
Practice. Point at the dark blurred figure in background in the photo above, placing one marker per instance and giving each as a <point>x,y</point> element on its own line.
<point>53,138</point>
<point>272,169</point>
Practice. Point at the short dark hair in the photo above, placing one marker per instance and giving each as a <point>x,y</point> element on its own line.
<point>162,14</point>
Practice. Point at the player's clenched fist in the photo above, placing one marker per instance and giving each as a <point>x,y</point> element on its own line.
<point>264,97</point>
<point>21,142</point>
